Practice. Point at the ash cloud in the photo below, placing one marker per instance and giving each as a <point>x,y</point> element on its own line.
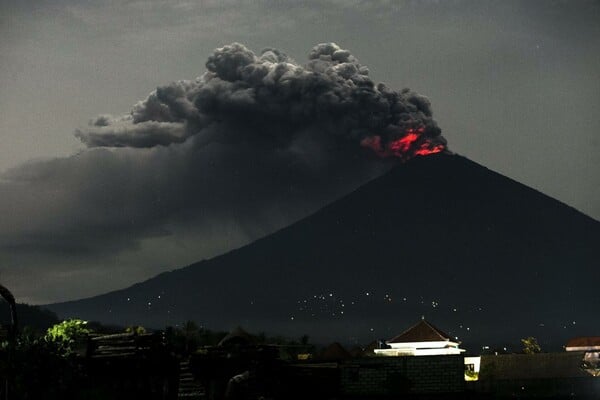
<point>253,144</point>
<point>271,99</point>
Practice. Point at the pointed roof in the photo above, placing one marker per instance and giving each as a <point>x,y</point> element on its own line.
<point>334,352</point>
<point>238,336</point>
<point>423,331</point>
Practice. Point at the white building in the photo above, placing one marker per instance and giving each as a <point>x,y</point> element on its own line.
<point>422,339</point>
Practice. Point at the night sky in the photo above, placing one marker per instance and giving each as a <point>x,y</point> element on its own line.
<point>107,180</point>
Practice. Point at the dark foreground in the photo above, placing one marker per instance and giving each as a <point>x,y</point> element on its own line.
<point>132,366</point>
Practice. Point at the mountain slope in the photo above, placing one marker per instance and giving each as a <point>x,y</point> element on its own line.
<point>482,256</point>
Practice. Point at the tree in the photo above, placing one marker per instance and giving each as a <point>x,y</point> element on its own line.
<point>191,333</point>
<point>530,345</point>
<point>67,333</point>
<point>44,367</point>
<point>135,329</point>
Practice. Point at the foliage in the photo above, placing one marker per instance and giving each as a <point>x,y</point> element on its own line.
<point>38,368</point>
<point>471,375</point>
<point>530,345</point>
<point>190,337</point>
<point>135,329</point>
<point>67,333</point>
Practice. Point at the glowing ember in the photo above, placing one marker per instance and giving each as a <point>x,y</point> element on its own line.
<point>412,143</point>
<point>426,151</point>
<point>403,145</point>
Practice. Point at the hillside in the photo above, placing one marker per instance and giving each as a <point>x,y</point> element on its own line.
<point>485,258</point>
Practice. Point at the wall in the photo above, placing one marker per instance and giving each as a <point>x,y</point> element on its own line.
<point>402,375</point>
<point>544,375</point>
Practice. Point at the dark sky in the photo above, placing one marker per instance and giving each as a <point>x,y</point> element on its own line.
<point>105,183</point>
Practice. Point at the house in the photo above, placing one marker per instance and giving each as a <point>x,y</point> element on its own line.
<point>591,343</point>
<point>421,339</point>
<point>591,347</point>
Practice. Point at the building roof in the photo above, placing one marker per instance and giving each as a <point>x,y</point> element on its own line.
<point>587,341</point>
<point>423,331</point>
<point>334,352</point>
<point>238,336</point>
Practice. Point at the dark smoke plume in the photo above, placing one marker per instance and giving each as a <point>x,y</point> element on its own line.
<point>271,99</point>
<point>203,166</point>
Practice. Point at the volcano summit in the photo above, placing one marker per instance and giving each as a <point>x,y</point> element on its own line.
<point>439,236</point>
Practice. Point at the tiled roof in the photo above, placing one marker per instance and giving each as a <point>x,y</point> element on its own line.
<point>421,332</point>
<point>588,341</point>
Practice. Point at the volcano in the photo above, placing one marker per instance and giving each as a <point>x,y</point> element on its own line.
<point>482,256</point>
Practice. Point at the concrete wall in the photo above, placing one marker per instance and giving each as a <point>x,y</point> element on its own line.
<point>402,375</point>
<point>545,375</point>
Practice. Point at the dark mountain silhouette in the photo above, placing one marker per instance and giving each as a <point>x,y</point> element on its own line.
<point>34,317</point>
<point>481,256</point>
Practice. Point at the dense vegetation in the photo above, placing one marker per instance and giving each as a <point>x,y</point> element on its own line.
<point>53,363</point>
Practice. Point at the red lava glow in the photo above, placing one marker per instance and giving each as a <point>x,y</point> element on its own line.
<point>402,145</point>
<point>426,151</point>
<point>405,147</point>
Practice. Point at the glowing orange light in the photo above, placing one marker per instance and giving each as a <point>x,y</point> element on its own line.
<point>403,144</point>
<point>426,151</point>
<point>405,147</point>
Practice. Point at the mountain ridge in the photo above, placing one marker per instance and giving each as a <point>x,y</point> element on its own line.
<point>440,236</point>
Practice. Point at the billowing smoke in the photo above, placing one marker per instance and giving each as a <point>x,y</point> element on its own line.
<point>272,100</point>
<point>202,166</point>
